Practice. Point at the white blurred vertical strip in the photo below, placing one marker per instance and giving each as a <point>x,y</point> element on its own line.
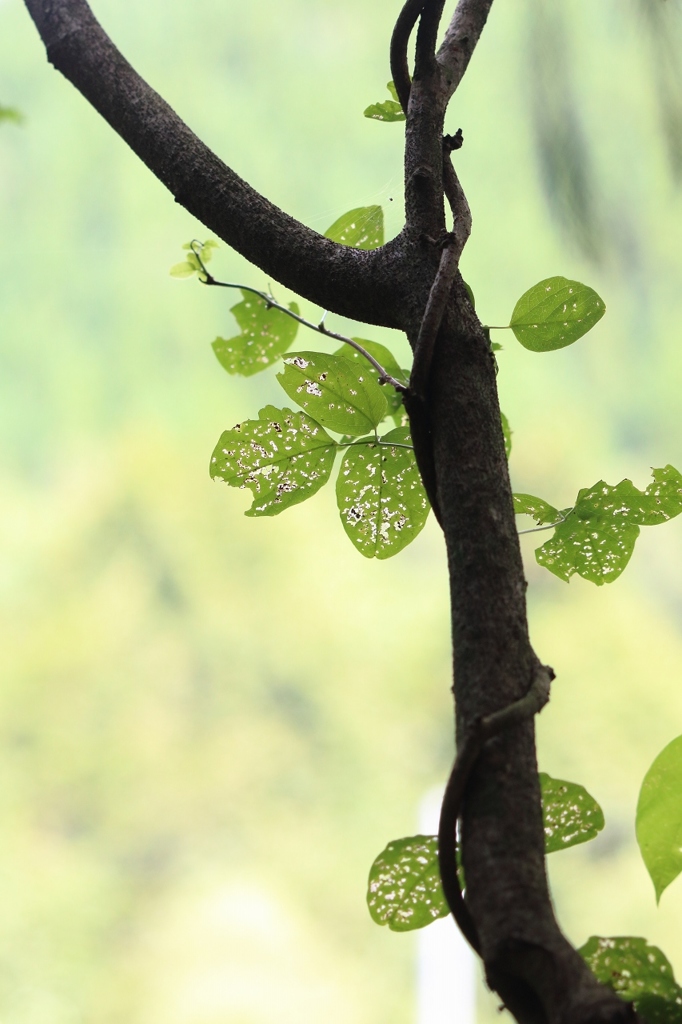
<point>446,966</point>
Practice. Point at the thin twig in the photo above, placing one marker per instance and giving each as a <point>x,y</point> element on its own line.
<point>454,193</point>
<point>484,729</point>
<point>384,376</point>
<point>400,39</point>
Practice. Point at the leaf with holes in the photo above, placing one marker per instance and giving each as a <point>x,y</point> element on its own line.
<point>266,334</point>
<point>380,495</point>
<point>362,228</point>
<point>555,313</point>
<point>404,889</point>
<point>389,110</point>
<point>570,815</point>
<point>659,817</point>
<point>540,510</point>
<point>339,394</point>
<point>637,972</point>
<point>394,402</point>
<point>283,457</point>
<point>597,537</point>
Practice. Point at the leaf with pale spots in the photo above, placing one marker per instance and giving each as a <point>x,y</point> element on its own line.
<point>339,394</point>
<point>597,537</point>
<point>394,402</point>
<point>541,511</point>
<point>638,973</point>
<point>362,228</point>
<point>570,815</point>
<point>404,889</point>
<point>555,313</point>
<point>283,457</point>
<point>266,334</point>
<point>389,110</point>
<point>659,817</point>
<point>380,495</point>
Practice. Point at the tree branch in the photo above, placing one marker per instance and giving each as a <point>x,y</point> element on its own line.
<point>461,38</point>
<point>400,39</point>
<point>427,37</point>
<point>351,282</point>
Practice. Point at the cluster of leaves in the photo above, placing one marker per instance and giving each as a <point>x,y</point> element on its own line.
<point>596,537</point>
<point>404,889</point>
<point>284,457</point>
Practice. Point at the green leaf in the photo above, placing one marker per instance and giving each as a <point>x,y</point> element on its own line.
<point>507,431</point>
<point>203,247</point>
<point>541,511</point>
<point>570,815</point>
<point>380,495</point>
<point>337,393</point>
<point>389,110</point>
<point>597,537</point>
<point>284,457</point>
<point>659,817</point>
<point>266,334</point>
<point>404,889</point>
<point>362,228</point>
<point>191,264</point>
<point>555,313</point>
<point>394,402</point>
<point>637,972</point>
<point>184,269</point>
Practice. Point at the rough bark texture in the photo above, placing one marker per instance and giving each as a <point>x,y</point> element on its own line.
<point>459,445</point>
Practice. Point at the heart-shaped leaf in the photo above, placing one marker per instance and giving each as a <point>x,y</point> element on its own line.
<point>570,815</point>
<point>266,334</point>
<point>362,228</point>
<point>339,394</point>
<point>283,457</point>
<point>555,313</point>
<point>404,889</point>
<point>639,973</point>
<point>380,495</point>
<point>659,817</point>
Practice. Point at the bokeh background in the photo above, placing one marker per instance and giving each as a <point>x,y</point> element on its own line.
<point>210,725</point>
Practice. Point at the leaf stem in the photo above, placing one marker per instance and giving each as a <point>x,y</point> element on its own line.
<point>384,376</point>
<point>550,526</point>
<point>379,441</point>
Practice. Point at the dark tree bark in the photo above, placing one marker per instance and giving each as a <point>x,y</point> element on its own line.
<point>413,284</point>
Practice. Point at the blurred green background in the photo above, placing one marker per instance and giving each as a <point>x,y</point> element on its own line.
<point>210,725</point>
